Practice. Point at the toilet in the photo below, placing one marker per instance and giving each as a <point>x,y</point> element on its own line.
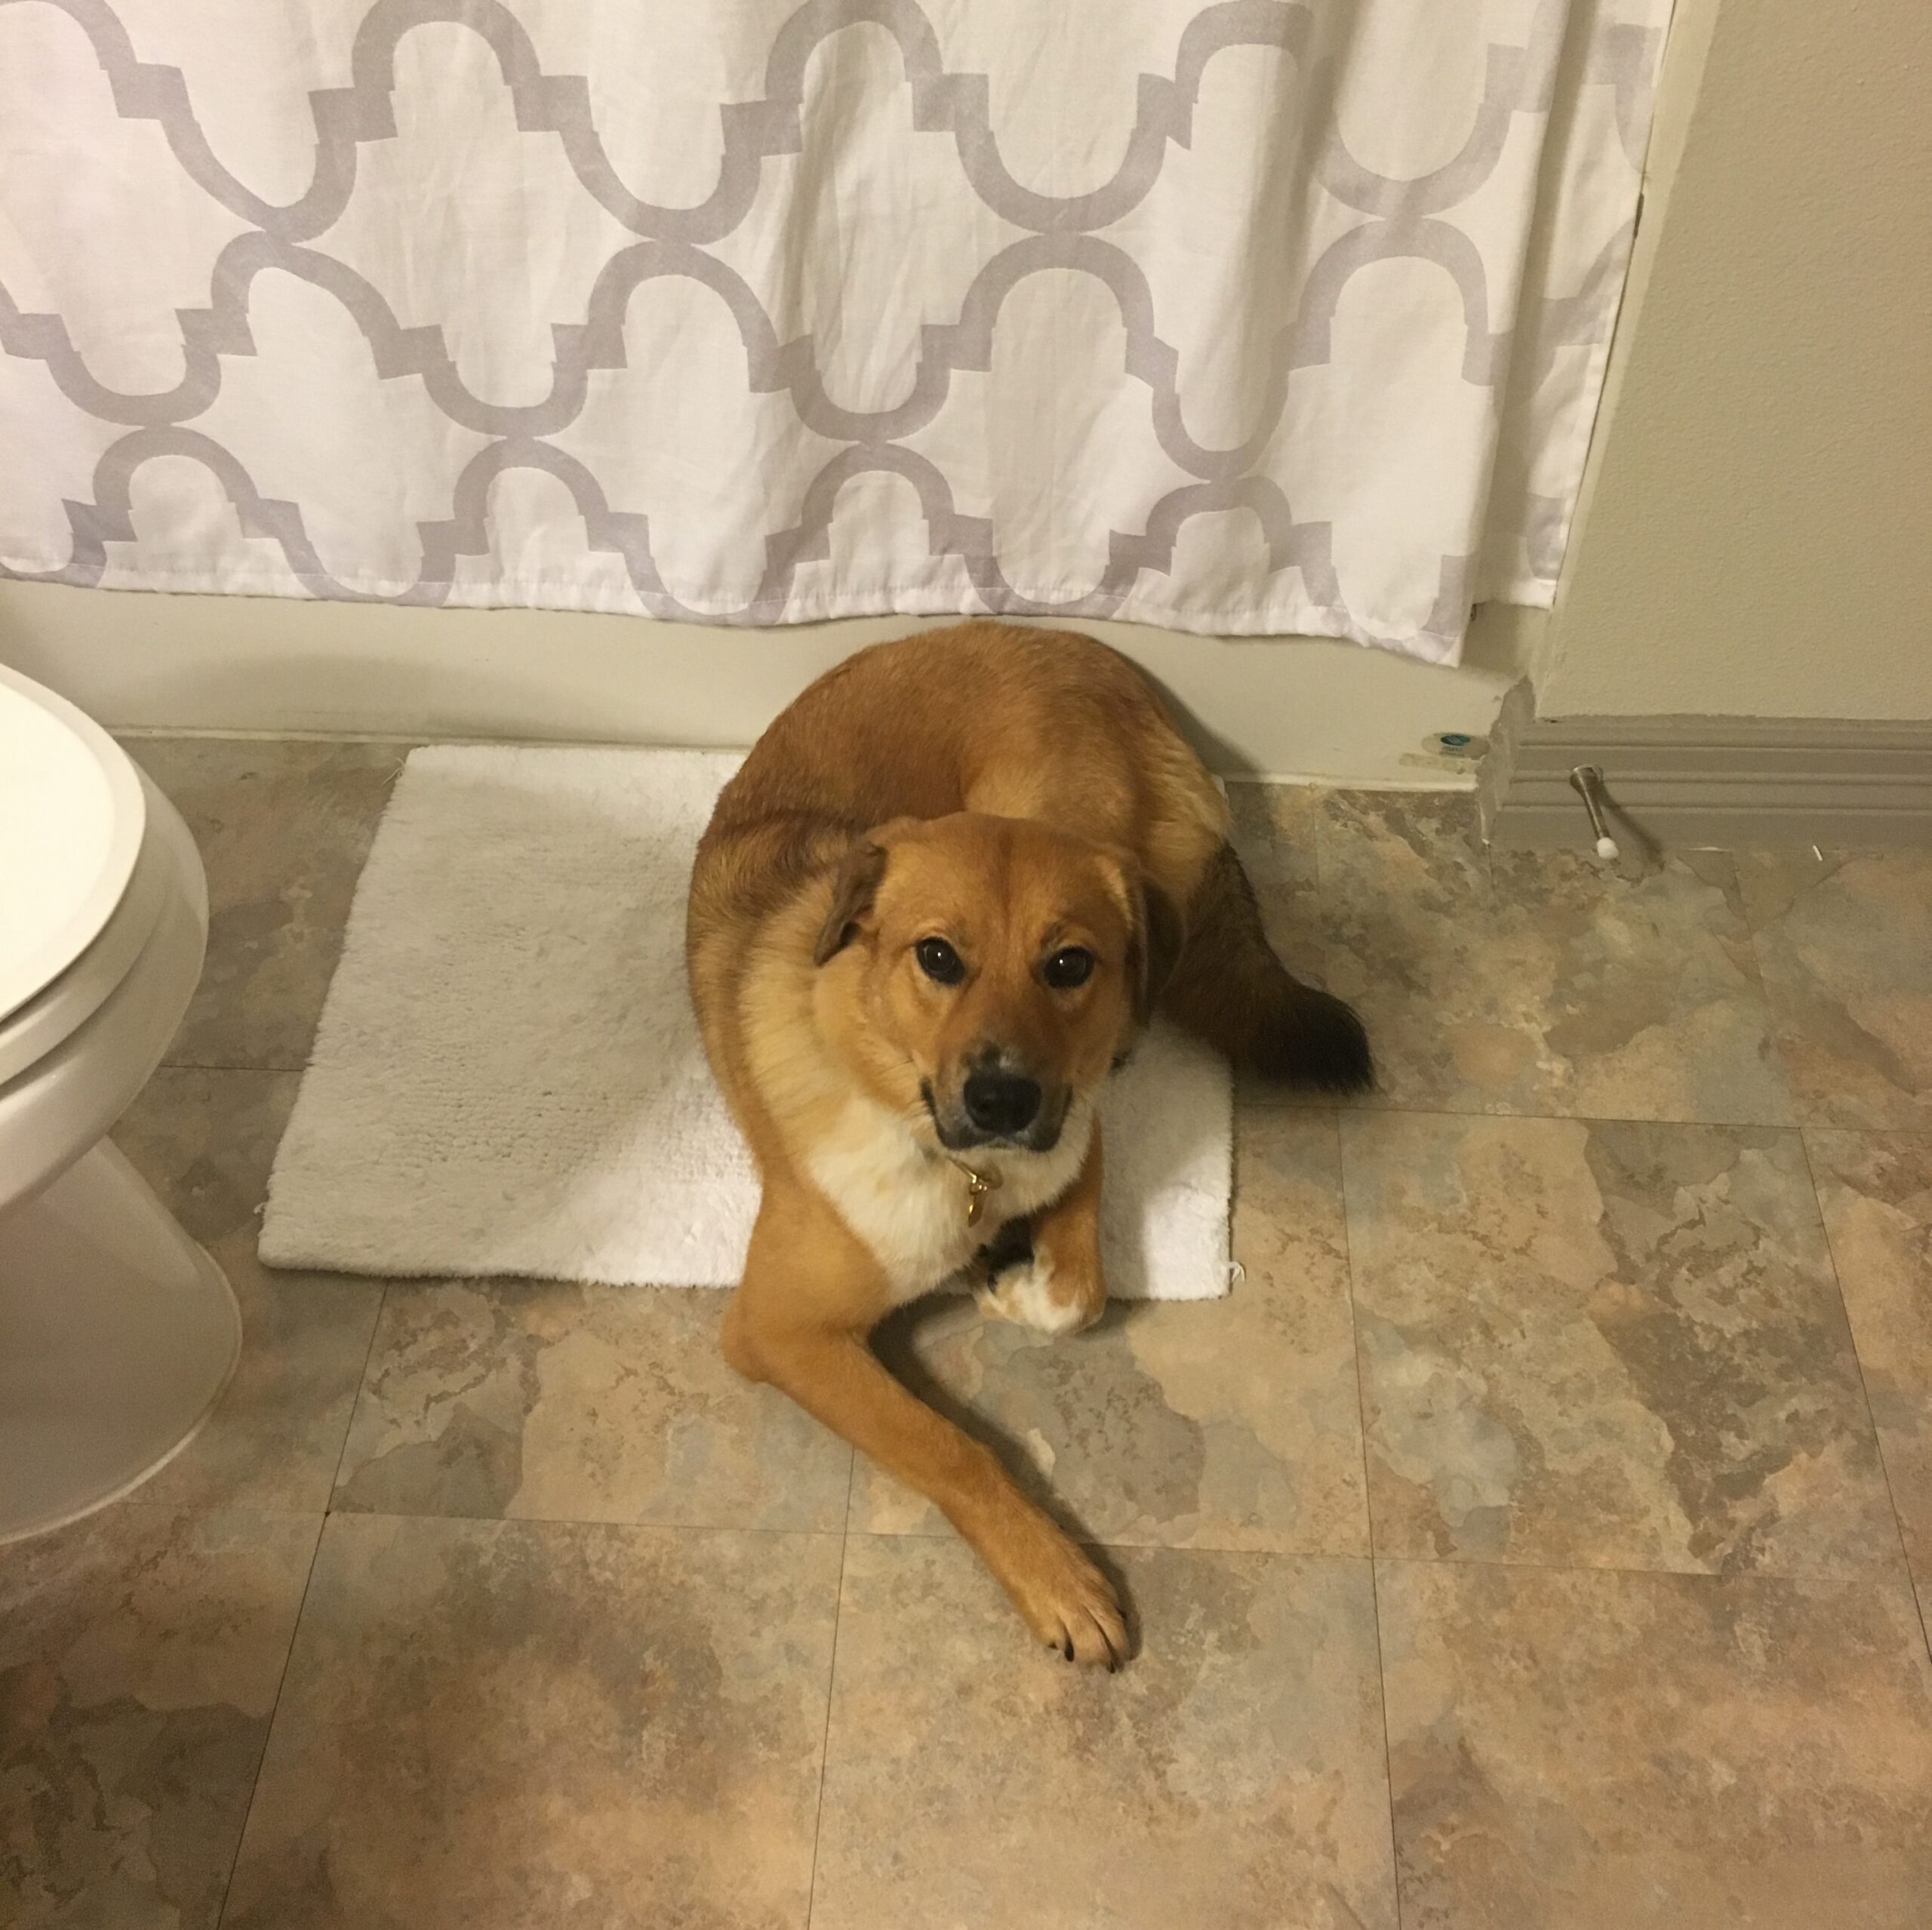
<point>118,1333</point>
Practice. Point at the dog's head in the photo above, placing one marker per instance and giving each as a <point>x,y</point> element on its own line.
<point>990,970</point>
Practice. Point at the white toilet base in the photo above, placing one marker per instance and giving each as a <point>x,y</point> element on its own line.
<point>117,1335</point>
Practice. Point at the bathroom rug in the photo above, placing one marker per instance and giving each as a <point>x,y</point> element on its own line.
<point>507,1079</point>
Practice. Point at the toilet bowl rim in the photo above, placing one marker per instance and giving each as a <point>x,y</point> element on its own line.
<point>54,951</point>
<point>31,1032</point>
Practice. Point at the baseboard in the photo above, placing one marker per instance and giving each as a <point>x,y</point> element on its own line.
<point>1284,707</point>
<point>1709,780</point>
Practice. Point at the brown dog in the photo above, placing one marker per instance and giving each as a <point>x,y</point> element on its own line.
<point>930,912</point>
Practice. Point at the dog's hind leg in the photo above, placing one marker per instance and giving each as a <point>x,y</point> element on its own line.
<point>1230,989</point>
<point>791,1323</point>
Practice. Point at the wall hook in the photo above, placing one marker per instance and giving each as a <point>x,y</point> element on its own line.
<point>1586,780</point>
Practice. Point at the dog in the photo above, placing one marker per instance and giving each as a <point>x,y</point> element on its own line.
<point>931,911</point>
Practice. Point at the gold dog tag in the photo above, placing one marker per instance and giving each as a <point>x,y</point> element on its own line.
<point>978,1185</point>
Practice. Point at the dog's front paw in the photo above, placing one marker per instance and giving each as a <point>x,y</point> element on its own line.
<point>1037,1294</point>
<point>1065,1599</point>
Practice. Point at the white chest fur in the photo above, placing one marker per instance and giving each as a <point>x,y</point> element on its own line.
<point>909,1205</point>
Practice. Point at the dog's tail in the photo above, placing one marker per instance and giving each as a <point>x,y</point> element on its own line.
<point>1230,989</point>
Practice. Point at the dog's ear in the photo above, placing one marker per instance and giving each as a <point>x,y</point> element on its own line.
<point>1155,933</point>
<point>852,893</point>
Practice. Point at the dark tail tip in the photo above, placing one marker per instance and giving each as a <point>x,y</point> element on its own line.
<point>1314,1040</point>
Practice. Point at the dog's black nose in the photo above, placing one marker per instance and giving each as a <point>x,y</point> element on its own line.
<point>1002,1103</point>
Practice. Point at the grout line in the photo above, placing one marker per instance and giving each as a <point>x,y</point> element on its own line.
<point>1112,1545</point>
<point>1858,1361</point>
<point>831,1681</point>
<point>355,1405</point>
<point>1108,1545</point>
<point>627,1527</point>
<point>295,1627</point>
<point>275,1707</point>
<point>301,1607</point>
<point>1368,1515</point>
<point>1790,1578</point>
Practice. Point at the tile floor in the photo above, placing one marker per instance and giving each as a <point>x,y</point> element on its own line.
<point>1531,1542</point>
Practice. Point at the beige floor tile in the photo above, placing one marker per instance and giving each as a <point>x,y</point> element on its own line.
<point>1574,1751</point>
<point>1845,945</point>
<point>1231,1775</point>
<point>206,1142</point>
<point>1541,982</point>
<point>1876,1191</point>
<point>284,828</point>
<point>1611,1344</point>
<point>140,1654</point>
<point>527,1725</point>
<point>1231,1424</point>
<point>580,1403</point>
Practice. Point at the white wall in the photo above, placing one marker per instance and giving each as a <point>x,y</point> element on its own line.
<point>1286,707</point>
<point>1755,535</point>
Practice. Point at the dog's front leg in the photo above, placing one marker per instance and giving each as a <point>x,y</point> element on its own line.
<point>1060,1288</point>
<point>799,1321</point>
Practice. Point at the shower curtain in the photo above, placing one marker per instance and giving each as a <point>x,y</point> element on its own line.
<point>1248,317</point>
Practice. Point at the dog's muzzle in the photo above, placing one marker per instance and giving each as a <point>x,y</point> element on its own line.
<point>996,1108</point>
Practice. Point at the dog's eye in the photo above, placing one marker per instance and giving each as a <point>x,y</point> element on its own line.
<point>939,961</point>
<point>1068,967</point>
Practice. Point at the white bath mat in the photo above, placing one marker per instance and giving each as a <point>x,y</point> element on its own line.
<point>508,1079</point>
